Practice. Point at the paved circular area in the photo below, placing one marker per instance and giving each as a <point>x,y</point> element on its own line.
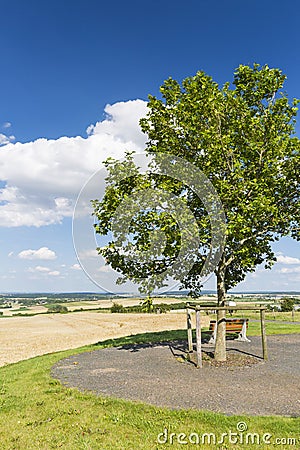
<point>153,374</point>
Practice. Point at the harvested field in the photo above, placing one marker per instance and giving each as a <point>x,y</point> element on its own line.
<point>25,337</point>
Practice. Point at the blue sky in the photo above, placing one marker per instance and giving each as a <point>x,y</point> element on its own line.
<point>75,77</point>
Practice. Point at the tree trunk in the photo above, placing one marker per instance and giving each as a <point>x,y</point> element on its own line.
<point>220,346</point>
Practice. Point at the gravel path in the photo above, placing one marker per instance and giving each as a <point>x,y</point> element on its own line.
<point>154,374</point>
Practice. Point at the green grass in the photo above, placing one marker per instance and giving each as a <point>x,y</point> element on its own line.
<point>277,316</point>
<point>37,412</point>
<point>273,328</point>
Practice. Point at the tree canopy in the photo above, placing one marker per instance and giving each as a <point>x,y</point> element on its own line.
<point>242,138</point>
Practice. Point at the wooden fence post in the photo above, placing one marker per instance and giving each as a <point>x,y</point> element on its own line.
<point>189,332</point>
<point>198,338</point>
<point>263,334</point>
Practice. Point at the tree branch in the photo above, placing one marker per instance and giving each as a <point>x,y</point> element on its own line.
<point>242,241</point>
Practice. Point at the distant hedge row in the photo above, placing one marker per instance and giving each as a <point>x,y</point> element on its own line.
<point>159,308</point>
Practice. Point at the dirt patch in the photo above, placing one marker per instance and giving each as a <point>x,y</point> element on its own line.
<point>233,360</point>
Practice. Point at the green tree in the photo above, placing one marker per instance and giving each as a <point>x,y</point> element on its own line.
<point>117,308</point>
<point>57,309</point>
<point>242,137</point>
<point>287,304</point>
<point>147,305</point>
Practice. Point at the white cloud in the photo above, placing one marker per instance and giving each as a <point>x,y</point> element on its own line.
<point>89,254</point>
<point>7,277</point>
<point>104,269</point>
<point>76,267</point>
<point>120,124</point>
<point>41,269</point>
<point>6,125</point>
<point>41,253</point>
<point>290,269</point>
<point>44,177</point>
<point>287,259</point>
<point>4,140</point>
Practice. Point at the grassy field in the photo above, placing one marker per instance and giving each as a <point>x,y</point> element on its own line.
<point>37,412</point>
<point>273,328</point>
<point>278,316</point>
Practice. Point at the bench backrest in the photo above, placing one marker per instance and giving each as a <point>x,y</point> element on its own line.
<point>234,325</point>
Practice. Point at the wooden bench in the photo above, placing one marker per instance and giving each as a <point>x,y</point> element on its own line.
<point>233,326</point>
